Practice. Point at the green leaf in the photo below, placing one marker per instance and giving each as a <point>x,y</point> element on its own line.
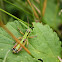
<point>46,45</point>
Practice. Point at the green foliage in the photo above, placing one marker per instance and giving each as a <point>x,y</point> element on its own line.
<point>21,7</point>
<point>52,17</point>
<point>22,22</point>
<point>46,45</point>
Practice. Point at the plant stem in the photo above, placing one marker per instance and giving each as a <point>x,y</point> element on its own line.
<point>6,56</point>
<point>22,22</point>
<point>35,13</point>
<point>44,7</point>
<point>3,16</point>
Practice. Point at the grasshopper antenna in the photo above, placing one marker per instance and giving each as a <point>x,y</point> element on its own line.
<point>28,22</point>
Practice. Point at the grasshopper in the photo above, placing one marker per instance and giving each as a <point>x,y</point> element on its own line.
<point>18,41</point>
<point>17,47</point>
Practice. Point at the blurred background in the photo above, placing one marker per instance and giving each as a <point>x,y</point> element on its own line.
<point>43,11</point>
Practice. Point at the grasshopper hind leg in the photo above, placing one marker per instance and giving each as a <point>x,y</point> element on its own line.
<point>14,48</point>
<point>19,49</point>
<point>27,42</point>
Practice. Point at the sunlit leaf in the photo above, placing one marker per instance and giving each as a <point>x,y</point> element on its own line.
<point>46,45</point>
